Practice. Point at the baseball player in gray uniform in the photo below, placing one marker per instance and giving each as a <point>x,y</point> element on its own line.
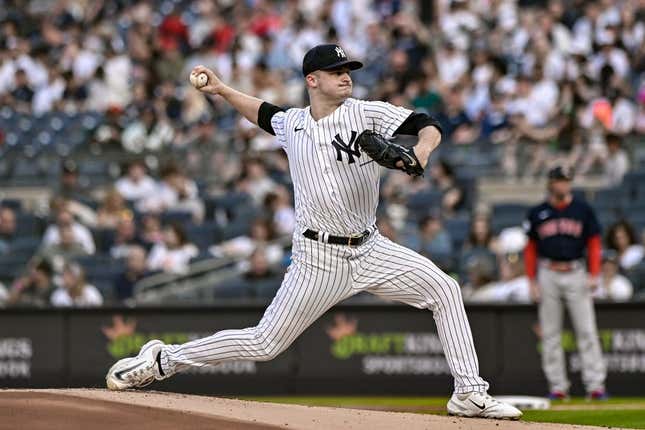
<point>337,250</point>
<point>559,230</point>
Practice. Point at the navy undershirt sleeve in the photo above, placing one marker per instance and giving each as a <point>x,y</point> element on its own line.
<point>265,113</point>
<point>415,122</point>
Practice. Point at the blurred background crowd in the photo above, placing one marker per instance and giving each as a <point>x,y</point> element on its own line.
<point>120,183</point>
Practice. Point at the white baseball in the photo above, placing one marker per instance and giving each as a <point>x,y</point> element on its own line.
<point>199,80</point>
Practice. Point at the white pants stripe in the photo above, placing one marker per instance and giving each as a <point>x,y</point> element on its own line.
<point>322,275</point>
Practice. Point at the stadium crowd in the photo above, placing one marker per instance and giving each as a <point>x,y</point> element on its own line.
<point>519,86</point>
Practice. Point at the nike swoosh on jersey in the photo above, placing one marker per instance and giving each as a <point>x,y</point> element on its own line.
<point>298,129</point>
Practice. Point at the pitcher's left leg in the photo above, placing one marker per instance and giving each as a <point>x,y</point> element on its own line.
<point>398,273</point>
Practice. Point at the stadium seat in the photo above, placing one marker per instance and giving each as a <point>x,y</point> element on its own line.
<point>609,198</point>
<point>176,216</point>
<point>424,202</point>
<point>25,246</point>
<point>458,229</point>
<point>28,225</point>
<point>507,215</point>
<point>203,235</point>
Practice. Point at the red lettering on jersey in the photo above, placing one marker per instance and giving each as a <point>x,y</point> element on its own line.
<point>565,226</point>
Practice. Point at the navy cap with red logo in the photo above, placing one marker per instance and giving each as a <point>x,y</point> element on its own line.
<point>327,57</point>
<point>560,173</point>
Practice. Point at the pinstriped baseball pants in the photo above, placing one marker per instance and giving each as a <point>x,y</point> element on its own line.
<point>322,275</point>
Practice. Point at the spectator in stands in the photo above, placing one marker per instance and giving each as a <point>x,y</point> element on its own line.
<point>81,234</point>
<point>431,240</point>
<point>480,234</point>
<point>480,274</point>
<point>386,228</point>
<point>7,228</point>
<point>70,187</point>
<point>112,210</point>
<point>257,278</point>
<point>151,132</point>
<point>452,195</point>
<point>457,126</point>
<point>126,236</point>
<point>74,290</point>
<point>35,288</point>
<point>151,231</point>
<point>255,180</point>
<point>136,185</point>
<point>134,272</point>
<point>640,117</point>
<point>173,254</point>
<point>616,164</point>
<point>612,286</point>
<point>480,243</point>
<point>50,94</point>
<point>261,234</point>
<point>174,192</point>
<point>4,295</point>
<point>23,93</point>
<point>68,248</point>
<point>513,286</point>
<point>261,279</point>
<point>622,239</point>
<point>283,216</point>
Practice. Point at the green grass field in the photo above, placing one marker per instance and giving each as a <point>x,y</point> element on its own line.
<point>621,412</point>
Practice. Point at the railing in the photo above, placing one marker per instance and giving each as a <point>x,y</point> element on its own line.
<point>201,275</point>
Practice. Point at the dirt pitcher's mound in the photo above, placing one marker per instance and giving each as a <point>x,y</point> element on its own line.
<point>106,410</point>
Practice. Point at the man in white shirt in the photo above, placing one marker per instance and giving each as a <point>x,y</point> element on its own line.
<point>136,184</point>
<point>82,234</point>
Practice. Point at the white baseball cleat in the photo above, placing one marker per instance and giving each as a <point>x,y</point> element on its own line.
<point>136,372</point>
<point>481,405</point>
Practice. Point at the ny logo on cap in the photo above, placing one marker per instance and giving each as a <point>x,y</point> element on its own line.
<point>340,52</point>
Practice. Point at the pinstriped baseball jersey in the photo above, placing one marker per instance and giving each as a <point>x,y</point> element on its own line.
<point>334,190</point>
<point>336,193</point>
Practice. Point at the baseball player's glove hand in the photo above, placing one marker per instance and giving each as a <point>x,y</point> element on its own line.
<point>388,154</point>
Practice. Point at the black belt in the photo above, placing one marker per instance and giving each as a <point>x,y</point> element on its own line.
<point>356,240</point>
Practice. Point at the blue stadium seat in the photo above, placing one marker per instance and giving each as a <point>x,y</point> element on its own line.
<point>203,235</point>
<point>25,246</point>
<point>609,198</point>
<point>28,225</point>
<point>424,202</point>
<point>458,229</point>
<point>507,215</point>
<point>176,216</point>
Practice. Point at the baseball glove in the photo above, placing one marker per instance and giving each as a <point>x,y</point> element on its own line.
<point>388,154</point>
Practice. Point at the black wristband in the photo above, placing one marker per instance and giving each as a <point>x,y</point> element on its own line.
<point>265,113</point>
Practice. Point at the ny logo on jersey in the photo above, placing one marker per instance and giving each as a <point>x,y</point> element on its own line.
<point>340,52</point>
<point>351,148</point>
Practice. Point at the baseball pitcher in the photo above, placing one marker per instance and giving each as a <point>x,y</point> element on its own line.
<point>337,250</point>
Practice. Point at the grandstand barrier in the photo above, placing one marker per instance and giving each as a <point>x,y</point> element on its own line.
<point>368,349</point>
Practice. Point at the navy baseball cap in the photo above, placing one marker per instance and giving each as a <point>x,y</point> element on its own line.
<point>327,57</point>
<point>560,173</point>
